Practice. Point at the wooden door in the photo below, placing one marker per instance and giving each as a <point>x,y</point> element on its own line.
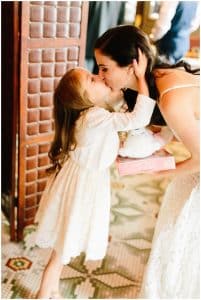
<point>52,40</point>
<point>10,21</point>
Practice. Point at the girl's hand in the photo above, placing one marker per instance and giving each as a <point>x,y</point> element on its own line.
<point>140,66</point>
<point>139,72</point>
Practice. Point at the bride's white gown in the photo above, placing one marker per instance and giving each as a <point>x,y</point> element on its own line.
<point>173,269</point>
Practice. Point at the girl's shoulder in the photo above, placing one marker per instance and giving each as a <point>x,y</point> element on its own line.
<point>96,115</point>
<point>96,110</point>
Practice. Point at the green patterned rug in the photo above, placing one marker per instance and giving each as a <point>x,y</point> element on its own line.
<point>135,204</point>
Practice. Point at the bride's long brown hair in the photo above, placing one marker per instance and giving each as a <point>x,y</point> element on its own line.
<point>70,99</point>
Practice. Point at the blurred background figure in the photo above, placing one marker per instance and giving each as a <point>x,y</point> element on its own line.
<point>103,15</point>
<point>171,32</point>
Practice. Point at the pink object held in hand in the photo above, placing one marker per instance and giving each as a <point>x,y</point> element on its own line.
<point>158,161</point>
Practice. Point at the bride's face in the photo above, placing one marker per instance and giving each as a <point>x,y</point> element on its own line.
<point>113,75</point>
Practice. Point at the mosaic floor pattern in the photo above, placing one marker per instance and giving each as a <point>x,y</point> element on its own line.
<point>135,204</point>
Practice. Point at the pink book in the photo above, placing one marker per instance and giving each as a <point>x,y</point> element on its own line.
<point>159,161</point>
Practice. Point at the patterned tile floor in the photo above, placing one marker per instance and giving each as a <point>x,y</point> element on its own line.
<point>135,204</point>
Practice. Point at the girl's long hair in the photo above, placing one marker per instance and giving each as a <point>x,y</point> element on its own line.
<point>121,44</point>
<point>70,99</point>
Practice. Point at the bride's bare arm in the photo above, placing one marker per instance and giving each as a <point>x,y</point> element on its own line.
<point>179,110</point>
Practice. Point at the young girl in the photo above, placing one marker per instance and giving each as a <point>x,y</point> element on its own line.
<point>74,211</point>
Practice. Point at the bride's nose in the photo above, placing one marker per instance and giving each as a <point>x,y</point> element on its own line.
<point>101,75</point>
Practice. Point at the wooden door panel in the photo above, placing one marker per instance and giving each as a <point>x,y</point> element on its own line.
<point>10,12</point>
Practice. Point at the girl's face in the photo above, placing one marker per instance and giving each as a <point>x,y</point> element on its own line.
<point>98,92</point>
<point>113,75</point>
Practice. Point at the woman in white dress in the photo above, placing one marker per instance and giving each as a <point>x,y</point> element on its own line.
<point>73,215</point>
<point>173,267</point>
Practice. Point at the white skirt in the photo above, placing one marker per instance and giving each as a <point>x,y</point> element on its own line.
<point>74,212</point>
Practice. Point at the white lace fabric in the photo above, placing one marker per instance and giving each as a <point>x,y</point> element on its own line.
<point>74,211</point>
<point>174,264</point>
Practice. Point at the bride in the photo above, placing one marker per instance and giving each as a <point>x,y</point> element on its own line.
<point>173,267</point>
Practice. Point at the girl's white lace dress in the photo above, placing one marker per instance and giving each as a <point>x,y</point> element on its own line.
<point>74,211</point>
<point>173,269</point>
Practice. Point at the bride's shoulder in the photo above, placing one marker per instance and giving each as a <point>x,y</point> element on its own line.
<point>169,78</point>
<point>174,74</point>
